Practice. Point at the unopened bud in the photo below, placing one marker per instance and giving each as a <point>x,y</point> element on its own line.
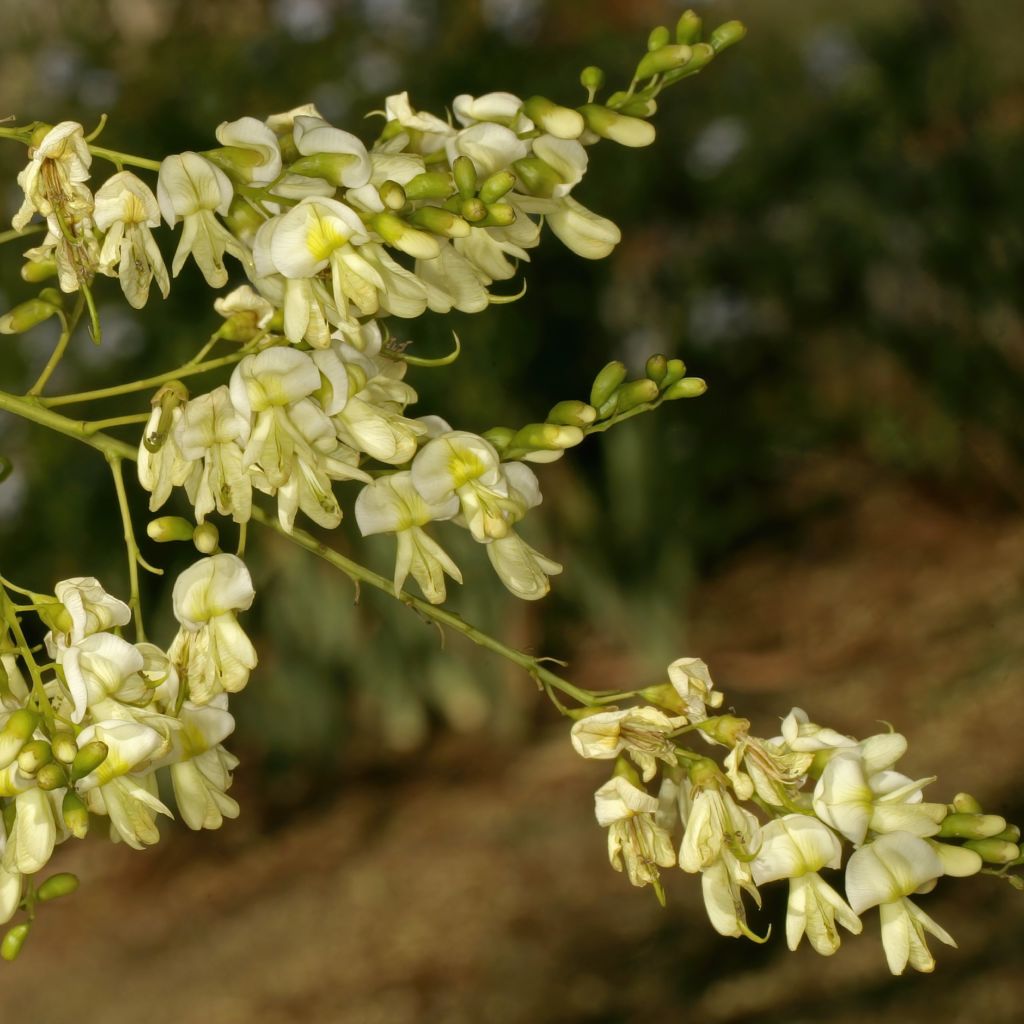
<point>538,177</point>
<point>499,215</point>
<point>971,826</point>
<point>656,368</point>
<point>64,746</point>
<point>1011,834</point>
<point>624,769</point>
<point>592,78</point>
<point>12,942</point>
<point>562,122</point>
<point>634,393</point>
<point>664,695</point>
<point>701,54</point>
<point>688,387</point>
<point>704,772</point>
<point>15,734</point>
<point>548,437</point>
<point>620,128</point>
<point>55,615</point>
<point>76,815</point>
<point>51,776</point>
<point>169,528</point>
<point>688,27</point>
<point>666,59</point>
<point>397,233</point>
<point>727,729</point>
<point>964,803</point>
<point>606,382</point>
<point>35,271</point>
<point>206,538</point>
<point>572,413</point>
<point>243,220</point>
<point>675,369</point>
<point>464,173</point>
<point>429,185</point>
<point>26,315</point>
<point>498,185</point>
<point>635,105</point>
<point>88,759</point>
<point>658,38</point>
<point>726,35</point>
<point>63,884</point>
<point>440,222</point>
<point>473,210</point>
<point>392,195</point>
<point>994,851</point>
<point>34,755</point>
<point>500,437</point>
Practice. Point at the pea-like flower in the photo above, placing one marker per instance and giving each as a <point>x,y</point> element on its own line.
<point>126,210</point>
<point>797,847</point>
<point>251,152</point>
<point>194,191</point>
<point>883,874</point>
<point>53,181</point>
<point>644,733</point>
<point>90,609</point>
<point>635,840</point>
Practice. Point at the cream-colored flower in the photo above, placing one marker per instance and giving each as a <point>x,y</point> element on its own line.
<point>53,181</point>
<point>644,733</point>
<point>635,840</point>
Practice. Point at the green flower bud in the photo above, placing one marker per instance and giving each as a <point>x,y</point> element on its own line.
<point>499,215</point>
<point>688,27</point>
<point>994,851</point>
<point>550,437</point>
<point>168,528</point>
<point>440,222</point>
<point>51,776</point>
<point>88,759</point>
<point>206,538</point>
<point>971,826</point>
<point>537,177</point>
<point>55,615</point>
<point>34,755</point>
<point>664,695</point>
<point>1011,834</point>
<point>964,803</point>
<point>331,167</point>
<point>235,161</point>
<point>38,134</point>
<point>726,35</point>
<point>636,392</point>
<point>35,271</point>
<point>499,184</point>
<point>500,437</point>
<point>15,734</point>
<point>63,884</point>
<point>675,369</point>
<point>572,414</point>
<point>472,210</point>
<point>397,233</point>
<point>606,382</point>
<point>562,122</point>
<point>242,219</point>
<point>464,173</point>
<point>658,38</point>
<point>727,729</point>
<point>637,105</point>
<point>429,185</point>
<point>624,768</point>
<point>656,368</point>
<point>665,59</point>
<point>609,124</point>
<point>701,54</point>
<point>592,78</point>
<point>392,195</point>
<point>64,746</point>
<point>13,941</point>
<point>688,387</point>
<point>27,315</point>
<point>76,816</point>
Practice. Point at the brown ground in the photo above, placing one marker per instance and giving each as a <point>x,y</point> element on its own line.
<point>448,896</point>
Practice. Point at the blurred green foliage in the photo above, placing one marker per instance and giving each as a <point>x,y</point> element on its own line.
<point>828,229</point>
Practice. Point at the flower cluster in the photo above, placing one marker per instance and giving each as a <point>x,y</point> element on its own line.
<point>782,808</point>
<point>86,733</point>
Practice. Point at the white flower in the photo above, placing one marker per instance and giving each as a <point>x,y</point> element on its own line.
<point>522,568</point>
<point>584,232</point>
<point>193,190</point>
<point>500,107</point>
<point>201,770</point>
<point>126,209</point>
<point>53,179</point>
<point>453,282</point>
<point>30,843</point>
<point>801,734</point>
<point>716,823</point>
<point>161,470</point>
<point>883,874</point>
<point>211,430</point>
<point>211,652</point>
<point>491,147</point>
<point>644,733</point>
<point>252,150</point>
<point>692,681</point>
<point>391,504</point>
<point>314,136</point>
<point>100,666</point>
<point>566,157</point>
<point>430,131</point>
<point>634,838</point>
<point>90,609</point>
<point>797,847</point>
<point>10,885</point>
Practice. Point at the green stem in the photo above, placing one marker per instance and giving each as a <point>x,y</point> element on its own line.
<point>117,421</point>
<point>123,159</point>
<point>132,548</point>
<point>68,325</point>
<point>13,236</point>
<point>116,450</point>
<point>144,385</point>
<point>38,689</point>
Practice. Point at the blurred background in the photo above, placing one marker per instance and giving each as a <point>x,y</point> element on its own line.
<point>829,230</point>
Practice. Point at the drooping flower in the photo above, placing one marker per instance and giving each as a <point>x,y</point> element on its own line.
<point>53,181</point>
<point>644,733</point>
<point>251,151</point>
<point>635,840</point>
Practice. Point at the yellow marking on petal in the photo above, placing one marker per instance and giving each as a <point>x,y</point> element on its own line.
<point>324,236</point>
